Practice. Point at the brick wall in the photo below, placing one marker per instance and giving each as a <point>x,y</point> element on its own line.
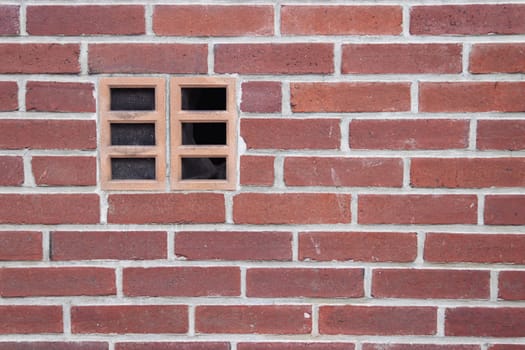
<point>380,202</point>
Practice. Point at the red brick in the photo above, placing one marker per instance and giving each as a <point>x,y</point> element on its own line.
<point>505,210</point>
<point>9,20</point>
<point>25,319</point>
<point>39,58</point>
<point>41,345</point>
<point>409,134</point>
<point>63,281</point>
<point>497,58</point>
<point>377,320</point>
<point>257,170</point>
<point>417,209</point>
<point>389,346</point>
<point>289,58</point>
<point>173,346</point>
<point>291,208</point>
<point>468,19</point>
<point>85,20</point>
<point>501,134</point>
<point>8,95</point>
<point>122,319</point>
<point>65,171</point>
<point>35,134</point>
<point>291,133</point>
<point>296,346</point>
<point>430,284</point>
<point>357,172</point>
<point>402,58</point>
<point>475,248</point>
<point>511,285</point>
<point>215,245</point>
<point>485,322</point>
<point>153,58</point>
<point>49,209</point>
<point>258,319</point>
<point>358,246</point>
<point>11,171</point>
<point>60,97</point>
<point>506,347</point>
<point>166,208</point>
<point>304,282</point>
<point>129,245</point>
<point>20,245</point>
<point>182,281</point>
<point>261,97</point>
<point>467,172</point>
<point>341,20</point>
<point>350,97</point>
<point>472,97</point>
<point>212,20</point>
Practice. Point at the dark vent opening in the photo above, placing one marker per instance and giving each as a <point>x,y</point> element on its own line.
<point>203,168</point>
<point>133,134</point>
<point>133,169</point>
<point>204,133</point>
<point>203,99</point>
<point>132,99</point>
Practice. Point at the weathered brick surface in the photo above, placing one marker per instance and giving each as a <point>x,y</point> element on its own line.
<point>210,20</point>
<point>497,58</point>
<point>55,345</point>
<point>505,210</point>
<point>9,20</point>
<point>8,96</point>
<point>257,170</point>
<point>173,346</point>
<point>85,20</point>
<point>261,97</point>
<point>511,285</point>
<point>30,319</point>
<point>20,245</point>
<point>11,171</point>
<point>485,322</point>
<point>39,58</point>
<point>60,97</point>
<point>64,171</point>
<point>501,135</point>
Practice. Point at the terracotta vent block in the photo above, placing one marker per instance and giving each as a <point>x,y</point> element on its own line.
<point>203,119</point>
<point>133,133</point>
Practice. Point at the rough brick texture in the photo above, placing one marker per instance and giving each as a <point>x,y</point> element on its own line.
<point>234,245</point>
<point>65,171</point>
<point>206,20</point>
<point>85,20</point>
<point>59,97</point>
<point>8,96</point>
<point>377,167</point>
<point>350,97</point>
<point>126,245</point>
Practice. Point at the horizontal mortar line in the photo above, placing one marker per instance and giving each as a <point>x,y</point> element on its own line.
<point>267,39</point>
<point>378,116</point>
<point>262,2</point>
<point>270,301</point>
<point>457,228</point>
<point>47,116</point>
<point>266,264</point>
<point>45,189</point>
<point>37,152</point>
<point>371,153</point>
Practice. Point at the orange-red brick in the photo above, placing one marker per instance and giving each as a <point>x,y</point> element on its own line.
<point>472,97</point>
<point>505,210</point>
<point>20,245</point>
<point>291,133</point>
<point>406,134</point>
<point>485,322</point>
<point>467,172</point>
<point>11,171</point>
<point>153,58</point>
<point>501,134</point>
<point>8,95</point>
<point>401,58</point>
<point>511,285</point>
<point>35,134</point>
<point>350,97</point>
<point>330,171</point>
<point>358,246</point>
<point>293,58</point>
<point>212,20</point>
<point>85,20</point>
<point>417,209</point>
<point>291,208</point>
<point>257,170</point>
<point>30,319</point>
<point>64,171</point>
<point>341,20</point>
<point>261,97</point>
<point>497,58</point>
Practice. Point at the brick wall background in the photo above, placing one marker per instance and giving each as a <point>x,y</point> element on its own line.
<point>381,201</point>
